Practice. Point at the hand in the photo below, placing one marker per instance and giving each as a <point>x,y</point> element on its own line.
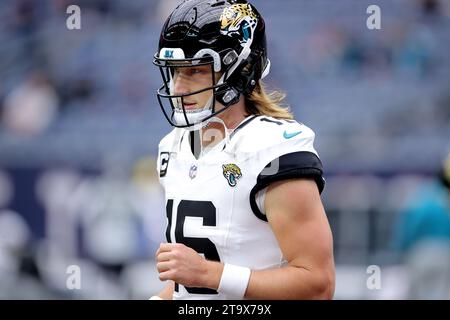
<point>179,263</point>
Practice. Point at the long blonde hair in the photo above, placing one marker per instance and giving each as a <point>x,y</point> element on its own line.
<point>269,103</point>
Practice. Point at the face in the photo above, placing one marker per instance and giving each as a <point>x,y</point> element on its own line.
<point>191,79</point>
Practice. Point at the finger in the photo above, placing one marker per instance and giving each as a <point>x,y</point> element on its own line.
<point>166,275</point>
<point>163,247</point>
<point>163,256</point>
<point>163,266</point>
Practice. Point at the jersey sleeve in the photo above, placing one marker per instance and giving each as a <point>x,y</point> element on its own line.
<point>166,148</point>
<point>291,156</point>
<point>158,164</point>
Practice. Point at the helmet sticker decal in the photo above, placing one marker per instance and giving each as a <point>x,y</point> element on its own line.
<point>239,19</point>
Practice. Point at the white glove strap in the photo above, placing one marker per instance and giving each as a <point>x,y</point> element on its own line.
<point>155,298</point>
<point>234,281</point>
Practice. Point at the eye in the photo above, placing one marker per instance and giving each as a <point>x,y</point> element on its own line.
<point>194,71</point>
<point>175,71</point>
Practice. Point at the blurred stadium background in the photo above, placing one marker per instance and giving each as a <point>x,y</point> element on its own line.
<point>80,124</point>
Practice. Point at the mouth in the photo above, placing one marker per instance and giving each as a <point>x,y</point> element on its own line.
<point>189,106</point>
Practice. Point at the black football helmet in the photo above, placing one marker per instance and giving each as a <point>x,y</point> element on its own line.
<point>227,35</point>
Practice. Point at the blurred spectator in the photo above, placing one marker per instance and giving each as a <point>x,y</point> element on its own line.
<point>416,56</point>
<point>25,19</point>
<point>354,55</point>
<point>427,216</point>
<point>31,107</point>
<point>78,89</point>
<point>423,235</point>
<point>111,229</point>
<point>431,8</point>
<point>321,49</point>
<point>20,277</point>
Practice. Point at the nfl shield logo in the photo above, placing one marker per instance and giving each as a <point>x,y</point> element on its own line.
<point>193,172</point>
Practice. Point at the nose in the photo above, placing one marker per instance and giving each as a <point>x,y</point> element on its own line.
<point>180,85</point>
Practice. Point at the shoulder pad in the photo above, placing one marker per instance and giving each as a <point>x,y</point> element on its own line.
<point>171,141</point>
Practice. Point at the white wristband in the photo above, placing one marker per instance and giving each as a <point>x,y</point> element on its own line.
<point>155,298</point>
<point>234,281</point>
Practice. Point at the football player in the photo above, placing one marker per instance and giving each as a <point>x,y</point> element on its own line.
<point>242,179</point>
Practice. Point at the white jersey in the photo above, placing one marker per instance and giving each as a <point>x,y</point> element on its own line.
<point>212,202</point>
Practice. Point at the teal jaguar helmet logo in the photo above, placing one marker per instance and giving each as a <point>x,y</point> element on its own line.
<point>239,20</point>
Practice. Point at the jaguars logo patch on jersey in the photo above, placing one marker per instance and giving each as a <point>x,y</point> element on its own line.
<point>232,173</point>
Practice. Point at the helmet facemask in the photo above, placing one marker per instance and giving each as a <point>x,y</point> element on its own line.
<point>175,106</point>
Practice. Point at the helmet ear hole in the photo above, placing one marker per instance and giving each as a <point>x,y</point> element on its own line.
<point>230,96</point>
<point>230,58</point>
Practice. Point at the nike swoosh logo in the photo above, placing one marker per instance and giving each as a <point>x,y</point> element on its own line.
<point>290,135</point>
